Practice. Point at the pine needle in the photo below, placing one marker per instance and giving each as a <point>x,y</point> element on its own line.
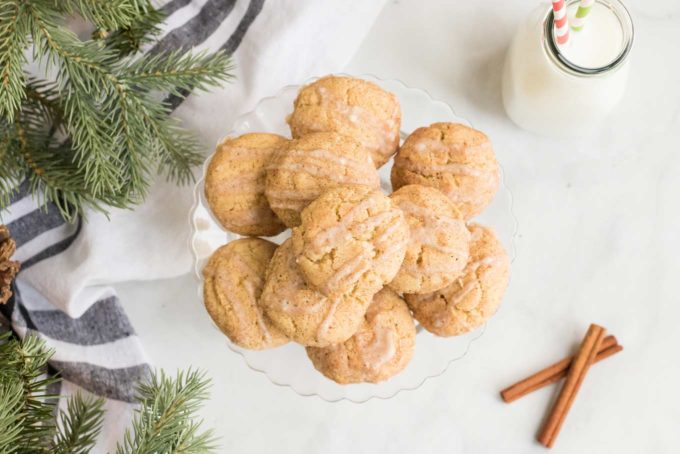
<point>79,425</point>
<point>95,136</point>
<point>166,420</point>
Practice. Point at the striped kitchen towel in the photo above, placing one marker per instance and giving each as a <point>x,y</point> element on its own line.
<point>64,291</point>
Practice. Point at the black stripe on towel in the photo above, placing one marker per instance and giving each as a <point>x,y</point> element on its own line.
<point>254,9</point>
<point>119,384</point>
<point>105,321</point>
<point>35,223</point>
<point>173,6</point>
<point>53,250</point>
<point>197,29</point>
<point>19,192</point>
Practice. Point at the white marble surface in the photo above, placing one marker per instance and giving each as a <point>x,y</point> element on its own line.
<point>599,241</point>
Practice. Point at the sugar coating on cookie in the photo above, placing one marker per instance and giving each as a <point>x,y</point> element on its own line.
<point>303,314</point>
<point>474,297</point>
<point>454,158</point>
<point>352,107</point>
<point>233,282</point>
<point>352,240</point>
<point>439,246</point>
<point>235,183</point>
<point>381,348</point>
<point>311,164</point>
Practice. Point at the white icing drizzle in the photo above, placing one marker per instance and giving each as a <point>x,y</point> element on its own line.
<point>326,323</point>
<point>282,204</point>
<point>425,234</point>
<point>384,134</point>
<point>427,145</point>
<point>455,296</point>
<point>289,289</point>
<point>349,272</point>
<point>322,158</point>
<point>253,279</point>
<point>331,235</point>
<point>352,270</point>
<point>290,200</point>
<point>321,172</point>
<point>431,169</point>
<point>387,234</point>
<point>289,308</point>
<point>294,194</point>
<point>381,350</point>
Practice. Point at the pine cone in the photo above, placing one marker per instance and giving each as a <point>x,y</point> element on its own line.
<point>8,268</point>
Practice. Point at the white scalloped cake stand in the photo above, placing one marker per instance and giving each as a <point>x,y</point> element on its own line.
<point>288,365</point>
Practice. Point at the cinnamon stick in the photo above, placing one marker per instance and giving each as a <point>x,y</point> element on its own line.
<point>555,372</point>
<point>577,372</point>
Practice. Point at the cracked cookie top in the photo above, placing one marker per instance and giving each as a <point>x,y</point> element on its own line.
<point>440,241</point>
<point>302,313</point>
<point>311,164</point>
<point>235,182</point>
<point>454,158</point>
<point>381,348</point>
<point>472,298</point>
<point>352,240</point>
<point>234,278</point>
<point>352,107</point>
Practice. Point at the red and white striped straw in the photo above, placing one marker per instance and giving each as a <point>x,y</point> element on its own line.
<point>561,21</point>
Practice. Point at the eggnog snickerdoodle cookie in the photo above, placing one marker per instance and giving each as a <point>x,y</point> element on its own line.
<point>454,158</point>
<point>311,164</point>
<point>352,240</point>
<point>380,349</point>
<point>303,314</point>
<point>234,184</point>
<point>474,297</point>
<point>440,242</point>
<point>233,281</point>
<point>352,107</point>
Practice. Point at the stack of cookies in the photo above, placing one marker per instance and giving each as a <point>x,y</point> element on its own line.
<point>360,265</point>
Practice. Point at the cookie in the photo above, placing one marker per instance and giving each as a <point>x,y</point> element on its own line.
<point>233,282</point>
<point>440,242</point>
<point>303,314</point>
<point>352,107</point>
<point>235,182</point>
<point>454,158</point>
<point>474,297</point>
<point>380,349</point>
<point>352,240</point>
<point>311,164</point>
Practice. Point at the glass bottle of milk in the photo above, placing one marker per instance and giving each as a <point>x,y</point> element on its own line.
<point>567,90</point>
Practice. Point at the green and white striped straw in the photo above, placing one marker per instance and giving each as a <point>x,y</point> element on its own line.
<point>581,14</point>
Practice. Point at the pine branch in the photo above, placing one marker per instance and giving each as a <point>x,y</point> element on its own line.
<point>179,151</point>
<point>13,42</point>
<point>164,423</point>
<point>24,363</point>
<point>129,39</point>
<point>176,71</point>
<point>79,425</point>
<point>10,415</point>
<point>11,166</point>
<point>105,14</point>
<point>117,130</point>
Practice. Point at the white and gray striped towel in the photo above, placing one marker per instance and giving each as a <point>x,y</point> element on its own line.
<point>63,292</point>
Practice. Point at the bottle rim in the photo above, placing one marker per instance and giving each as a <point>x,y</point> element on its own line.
<point>553,50</point>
